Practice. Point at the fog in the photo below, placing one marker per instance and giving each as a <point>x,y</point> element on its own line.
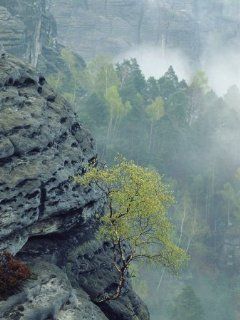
<point>222,66</point>
<point>220,159</point>
<point>189,134</point>
<point>155,61</point>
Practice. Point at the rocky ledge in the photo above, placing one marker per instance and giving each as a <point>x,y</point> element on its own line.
<point>46,219</point>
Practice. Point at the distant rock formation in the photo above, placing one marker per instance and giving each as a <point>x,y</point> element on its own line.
<point>28,31</point>
<point>111,27</point>
<point>45,218</point>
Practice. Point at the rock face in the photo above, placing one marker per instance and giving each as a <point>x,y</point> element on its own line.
<point>29,32</point>
<point>49,296</point>
<point>88,266</point>
<point>95,27</point>
<point>42,145</point>
<point>111,27</point>
<point>26,28</point>
<point>12,31</point>
<point>45,218</point>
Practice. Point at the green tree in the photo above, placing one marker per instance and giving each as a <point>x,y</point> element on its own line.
<point>231,200</point>
<point>197,90</point>
<point>95,112</point>
<point>99,76</point>
<point>168,84</point>
<point>155,112</point>
<point>132,81</point>
<point>200,81</point>
<point>66,78</point>
<point>73,64</point>
<point>187,306</point>
<point>117,109</point>
<point>136,222</point>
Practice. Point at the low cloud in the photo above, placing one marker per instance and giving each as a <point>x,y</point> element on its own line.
<point>222,67</point>
<point>155,61</point>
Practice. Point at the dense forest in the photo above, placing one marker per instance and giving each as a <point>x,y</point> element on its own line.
<point>190,135</point>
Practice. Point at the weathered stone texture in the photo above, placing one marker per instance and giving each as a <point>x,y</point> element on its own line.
<point>29,32</point>
<point>111,27</point>
<point>42,145</point>
<point>45,218</point>
<point>49,295</point>
<point>26,28</point>
<point>88,266</point>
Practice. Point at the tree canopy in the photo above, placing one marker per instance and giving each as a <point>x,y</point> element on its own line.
<point>136,221</point>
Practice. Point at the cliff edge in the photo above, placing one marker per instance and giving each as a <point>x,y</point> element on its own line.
<point>46,219</point>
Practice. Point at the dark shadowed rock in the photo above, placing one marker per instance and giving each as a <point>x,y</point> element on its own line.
<point>26,29</point>
<point>91,266</point>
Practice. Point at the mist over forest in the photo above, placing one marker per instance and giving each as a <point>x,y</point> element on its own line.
<point>193,142</point>
<point>157,82</point>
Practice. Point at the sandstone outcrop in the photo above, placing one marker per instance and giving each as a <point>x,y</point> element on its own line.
<point>29,31</point>
<point>112,27</point>
<point>49,296</point>
<point>42,145</point>
<point>45,218</point>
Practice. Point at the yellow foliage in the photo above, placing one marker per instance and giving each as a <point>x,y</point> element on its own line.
<point>136,213</point>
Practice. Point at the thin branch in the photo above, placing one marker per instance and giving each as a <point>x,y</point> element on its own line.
<point>122,274</point>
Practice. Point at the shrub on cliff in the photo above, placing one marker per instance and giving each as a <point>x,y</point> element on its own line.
<point>13,273</point>
<point>136,221</point>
